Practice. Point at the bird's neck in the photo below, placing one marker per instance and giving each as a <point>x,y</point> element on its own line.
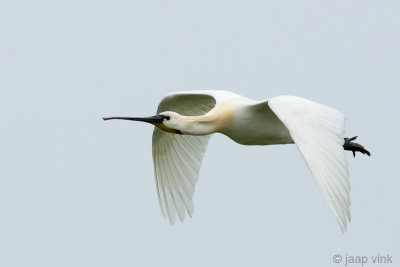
<point>200,125</point>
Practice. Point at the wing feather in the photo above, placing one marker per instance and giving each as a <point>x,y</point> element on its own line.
<point>159,185</point>
<point>318,132</point>
<point>177,158</point>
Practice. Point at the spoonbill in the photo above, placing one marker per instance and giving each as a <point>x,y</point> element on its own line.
<point>185,120</point>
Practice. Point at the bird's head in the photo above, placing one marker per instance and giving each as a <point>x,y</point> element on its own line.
<point>168,121</point>
<point>172,122</point>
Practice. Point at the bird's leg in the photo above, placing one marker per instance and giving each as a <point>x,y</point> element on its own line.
<point>348,145</point>
<point>350,139</point>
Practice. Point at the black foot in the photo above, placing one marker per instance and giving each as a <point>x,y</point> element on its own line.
<point>348,145</point>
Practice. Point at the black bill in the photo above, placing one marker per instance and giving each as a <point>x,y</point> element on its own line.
<point>152,119</point>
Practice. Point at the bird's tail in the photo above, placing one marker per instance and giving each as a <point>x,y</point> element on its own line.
<point>355,147</point>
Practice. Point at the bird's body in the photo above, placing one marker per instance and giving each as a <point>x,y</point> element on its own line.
<point>247,126</point>
<point>245,121</point>
<point>186,120</point>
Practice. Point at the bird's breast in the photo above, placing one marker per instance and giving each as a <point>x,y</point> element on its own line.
<point>247,127</point>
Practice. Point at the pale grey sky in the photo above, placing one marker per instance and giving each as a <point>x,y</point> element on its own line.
<point>76,191</point>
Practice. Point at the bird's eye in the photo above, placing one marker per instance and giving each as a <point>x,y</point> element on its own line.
<point>168,117</point>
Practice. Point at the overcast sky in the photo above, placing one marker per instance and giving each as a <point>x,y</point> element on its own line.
<point>76,191</point>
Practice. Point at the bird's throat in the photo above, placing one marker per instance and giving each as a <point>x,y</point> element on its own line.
<point>167,129</point>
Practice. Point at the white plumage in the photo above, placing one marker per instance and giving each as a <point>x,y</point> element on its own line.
<point>186,120</point>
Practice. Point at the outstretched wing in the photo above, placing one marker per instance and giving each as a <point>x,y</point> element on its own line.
<point>318,132</point>
<point>177,158</point>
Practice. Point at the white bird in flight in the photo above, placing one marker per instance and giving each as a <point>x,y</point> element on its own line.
<point>186,120</point>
